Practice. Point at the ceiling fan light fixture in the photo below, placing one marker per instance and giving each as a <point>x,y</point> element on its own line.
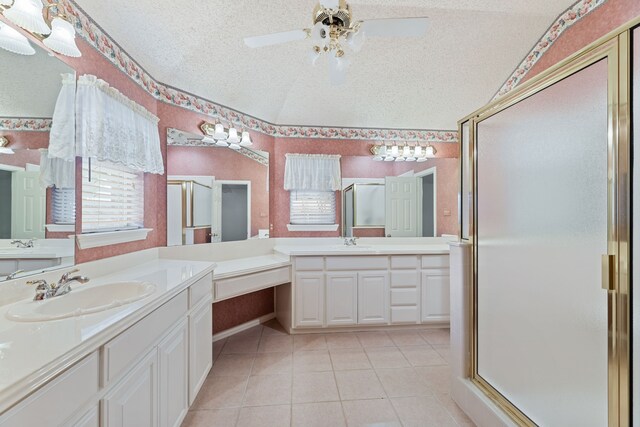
<point>320,34</point>
<point>356,39</point>
<point>208,140</point>
<point>28,14</point>
<point>12,41</point>
<point>62,38</point>
<point>234,146</point>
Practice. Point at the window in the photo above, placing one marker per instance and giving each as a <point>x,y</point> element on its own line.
<point>64,205</point>
<point>312,207</point>
<point>112,197</point>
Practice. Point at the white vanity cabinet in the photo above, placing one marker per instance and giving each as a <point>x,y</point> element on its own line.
<point>373,298</point>
<point>200,348</point>
<point>146,376</point>
<point>134,400</point>
<point>309,299</point>
<point>376,290</point>
<point>435,288</point>
<point>342,298</point>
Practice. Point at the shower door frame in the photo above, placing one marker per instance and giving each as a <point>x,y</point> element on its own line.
<point>616,48</point>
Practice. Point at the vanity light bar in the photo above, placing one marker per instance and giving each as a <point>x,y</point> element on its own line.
<point>403,152</point>
<point>216,134</point>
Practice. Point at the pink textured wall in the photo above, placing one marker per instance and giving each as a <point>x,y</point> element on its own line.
<point>606,18</point>
<point>225,164</point>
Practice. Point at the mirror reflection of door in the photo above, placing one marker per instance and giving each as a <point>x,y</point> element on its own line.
<point>428,205</point>
<point>28,205</point>
<point>235,208</point>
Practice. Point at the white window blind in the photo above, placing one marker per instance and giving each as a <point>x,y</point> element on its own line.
<point>64,205</point>
<point>112,197</point>
<point>312,207</point>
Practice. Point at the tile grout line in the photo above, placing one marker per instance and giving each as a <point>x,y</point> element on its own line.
<point>333,369</point>
<point>381,385</point>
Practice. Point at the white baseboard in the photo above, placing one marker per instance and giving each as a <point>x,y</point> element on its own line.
<point>247,325</point>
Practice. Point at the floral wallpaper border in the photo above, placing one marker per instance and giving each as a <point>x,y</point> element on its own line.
<point>101,41</point>
<point>25,124</point>
<point>572,15</point>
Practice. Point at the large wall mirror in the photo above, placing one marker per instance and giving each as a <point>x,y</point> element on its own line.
<point>399,199</point>
<point>215,194</point>
<point>37,220</point>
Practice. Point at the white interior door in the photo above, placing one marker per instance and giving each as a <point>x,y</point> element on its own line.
<point>401,194</point>
<point>174,215</point>
<point>28,206</point>
<point>216,212</point>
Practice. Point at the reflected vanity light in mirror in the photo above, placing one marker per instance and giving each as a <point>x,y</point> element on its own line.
<point>14,42</point>
<point>402,153</point>
<point>4,141</point>
<point>225,137</point>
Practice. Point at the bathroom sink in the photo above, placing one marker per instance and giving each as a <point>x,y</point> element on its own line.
<point>350,248</point>
<point>80,302</point>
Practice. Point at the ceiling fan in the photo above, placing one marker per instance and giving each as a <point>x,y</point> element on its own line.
<point>334,30</point>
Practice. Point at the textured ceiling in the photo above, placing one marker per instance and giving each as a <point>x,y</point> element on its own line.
<point>472,46</point>
<point>30,84</point>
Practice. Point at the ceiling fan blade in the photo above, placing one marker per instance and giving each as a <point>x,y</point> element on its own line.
<point>395,27</point>
<point>275,38</point>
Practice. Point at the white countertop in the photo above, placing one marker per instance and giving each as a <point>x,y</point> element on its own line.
<point>33,353</point>
<point>249,265</point>
<point>362,249</point>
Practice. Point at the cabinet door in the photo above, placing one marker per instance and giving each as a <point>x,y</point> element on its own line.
<point>309,291</point>
<point>173,356</point>
<point>373,298</point>
<point>342,298</point>
<point>200,347</point>
<point>435,295</point>
<point>134,400</point>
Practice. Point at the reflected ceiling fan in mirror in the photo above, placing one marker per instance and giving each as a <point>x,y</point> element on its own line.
<point>334,30</point>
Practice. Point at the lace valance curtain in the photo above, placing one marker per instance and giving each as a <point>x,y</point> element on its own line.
<point>111,127</point>
<point>312,172</point>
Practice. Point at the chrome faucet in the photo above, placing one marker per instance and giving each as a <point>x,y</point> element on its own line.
<point>46,290</point>
<point>22,244</point>
<point>350,241</point>
<point>13,275</point>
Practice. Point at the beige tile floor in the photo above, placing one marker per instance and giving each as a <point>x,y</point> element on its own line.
<point>263,377</point>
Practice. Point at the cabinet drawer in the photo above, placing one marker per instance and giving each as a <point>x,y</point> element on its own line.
<point>119,354</point>
<point>309,263</point>
<point>405,261</point>
<point>58,400</point>
<point>200,290</point>
<point>405,279</point>
<point>404,297</point>
<point>406,314</point>
<point>357,263</point>
<point>227,288</point>
<point>435,261</point>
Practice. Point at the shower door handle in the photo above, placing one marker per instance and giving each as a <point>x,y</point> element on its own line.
<point>609,272</point>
